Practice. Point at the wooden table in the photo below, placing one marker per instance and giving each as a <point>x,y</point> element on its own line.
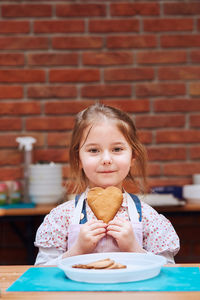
<point>8,274</point>
<point>33,211</point>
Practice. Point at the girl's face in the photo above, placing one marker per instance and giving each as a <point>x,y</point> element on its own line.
<point>105,155</point>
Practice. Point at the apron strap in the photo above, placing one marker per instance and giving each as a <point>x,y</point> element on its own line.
<point>134,197</point>
<point>84,219</point>
<point>138,205</point>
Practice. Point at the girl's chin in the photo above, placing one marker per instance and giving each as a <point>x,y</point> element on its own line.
<point>104,186</point>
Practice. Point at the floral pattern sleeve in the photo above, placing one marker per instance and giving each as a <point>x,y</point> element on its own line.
<point>159,235</point>
<point>53,232</point>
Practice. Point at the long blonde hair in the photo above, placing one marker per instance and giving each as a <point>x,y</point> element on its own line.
<point>125,124</point>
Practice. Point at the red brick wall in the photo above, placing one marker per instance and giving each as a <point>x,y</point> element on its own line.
<point>58,57</point>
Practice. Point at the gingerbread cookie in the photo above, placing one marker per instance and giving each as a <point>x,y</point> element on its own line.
<point>106,263</point>
<point>105,203</point>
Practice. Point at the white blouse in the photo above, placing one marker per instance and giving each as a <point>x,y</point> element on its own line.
<point>159,236</point>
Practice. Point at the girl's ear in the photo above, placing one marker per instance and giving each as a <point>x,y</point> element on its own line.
<point>132,161</point>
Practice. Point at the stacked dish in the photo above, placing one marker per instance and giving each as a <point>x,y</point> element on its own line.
<point>45,183</point>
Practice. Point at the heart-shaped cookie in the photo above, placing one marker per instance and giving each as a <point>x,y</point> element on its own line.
<point>105,203</point>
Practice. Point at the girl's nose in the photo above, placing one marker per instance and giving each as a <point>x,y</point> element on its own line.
<point>106,158</point>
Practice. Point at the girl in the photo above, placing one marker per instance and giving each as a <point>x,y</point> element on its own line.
<point>104,151</point>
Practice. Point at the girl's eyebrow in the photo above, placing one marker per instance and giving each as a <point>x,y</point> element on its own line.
<point>91,144</point>
<point>112,144</point>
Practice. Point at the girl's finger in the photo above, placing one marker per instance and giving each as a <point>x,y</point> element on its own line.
<point>97,225</point>
<point>113,228</point>
<point>99,231</point>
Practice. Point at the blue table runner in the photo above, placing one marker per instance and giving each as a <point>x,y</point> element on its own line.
<point>18,205</point>
<point>54,279</point>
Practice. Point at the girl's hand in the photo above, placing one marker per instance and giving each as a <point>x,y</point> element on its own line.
<point>122,232</point>
<point>90,234</point>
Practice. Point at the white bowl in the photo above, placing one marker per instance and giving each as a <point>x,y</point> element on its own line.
<point>192,193</point>
<point>196,178</point>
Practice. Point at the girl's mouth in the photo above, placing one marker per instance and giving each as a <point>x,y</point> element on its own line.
<point>107,171</point>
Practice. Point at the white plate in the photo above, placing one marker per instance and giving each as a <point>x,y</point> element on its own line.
<point>140,266</point>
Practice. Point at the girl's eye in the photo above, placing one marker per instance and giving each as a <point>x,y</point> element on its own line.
<point>93,150</point>
<point>117,149</point>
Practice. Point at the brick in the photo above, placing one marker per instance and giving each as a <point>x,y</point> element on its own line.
<point>50,91</point>
<point>195,152</point>
<point>68,26</point>
<point>81,10</point>
<point>8,140</point>
<point>59,139</point>
<point>108,26</point>
<point>145,137</point>
<point>161,57</point>
<point>194,89</point>
<point>11,92</point>
<point>133,9</point>
<point>11,173</point>
<point>169,181</point>
<point>74,75</point>
<point>66,107</point>
<point>160,121</point>
<point>132,41</point>
<point>166,153</point>
<point>12,59</point>
<point>129,105</point>
<point>183,40</point>
<point>10,124</point>
<point>195,56</point>
<point>107,58</point>
<point>77,42</point>
<point>10,157</point>
<point>20,108</point>
<point>56,155</point>
<point>180,105</point>
<point>190,8</point>
<point>195,120</point>
<point>53,59</point>
<point>49,123</point>
<point>178,136</point>
<point>178,73</point>
<point>22,76</point>
<point>14,27</point>
<point>124,74</point>
<point>160,89</point>
<point>180,169</point>
<point>26,10</point>
<point>100,91</point>
<point>23,43</point>
<point>198,24</point>
<point>153,169</point>
<point>163,25</point>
